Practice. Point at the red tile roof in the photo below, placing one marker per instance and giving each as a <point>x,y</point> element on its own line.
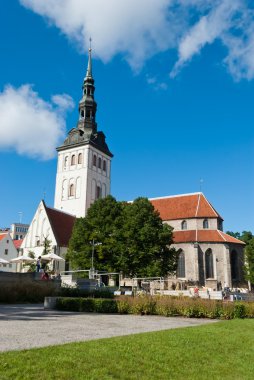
<point>2,236</point>
<point>184,206</point>
<point>201,236</point>
<point>17,243</point>
<point>61,224</point>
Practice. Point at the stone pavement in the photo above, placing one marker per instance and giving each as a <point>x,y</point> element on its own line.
<point>29,326</point>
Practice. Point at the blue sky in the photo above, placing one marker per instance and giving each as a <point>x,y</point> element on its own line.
<point>174,100</point>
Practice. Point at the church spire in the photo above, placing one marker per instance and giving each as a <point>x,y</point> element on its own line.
<point>89,65</point>
<point>87,105</point>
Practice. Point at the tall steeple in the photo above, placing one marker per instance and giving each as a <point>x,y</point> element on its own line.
<point>87,105</point>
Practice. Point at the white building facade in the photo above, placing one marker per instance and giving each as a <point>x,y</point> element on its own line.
<point>8,252</point>
<point>84,160</point>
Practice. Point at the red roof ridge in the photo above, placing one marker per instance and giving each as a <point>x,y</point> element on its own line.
<point>221,235</point>
<point>175,196</point>
<point>213,209</point>
<point>198,205</point>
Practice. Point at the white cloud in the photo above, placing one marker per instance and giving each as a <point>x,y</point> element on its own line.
<point>30,125</point>
<point>140,29</point>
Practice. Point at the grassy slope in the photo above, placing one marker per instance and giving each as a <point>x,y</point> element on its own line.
<point>224,350</point>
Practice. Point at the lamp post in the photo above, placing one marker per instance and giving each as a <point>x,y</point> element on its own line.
<point>92,271</point>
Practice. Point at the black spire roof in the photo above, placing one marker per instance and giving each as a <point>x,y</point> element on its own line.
<point>86,129</point>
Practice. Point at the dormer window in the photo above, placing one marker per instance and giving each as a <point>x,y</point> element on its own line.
<point>205,223</point>
<point>184,225</point>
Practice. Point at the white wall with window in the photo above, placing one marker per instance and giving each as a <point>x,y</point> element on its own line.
<point>8,251</point>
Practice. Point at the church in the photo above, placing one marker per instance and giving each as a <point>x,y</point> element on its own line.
<point>208,256</point>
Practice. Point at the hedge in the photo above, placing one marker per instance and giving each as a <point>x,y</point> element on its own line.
<point>165,306</point>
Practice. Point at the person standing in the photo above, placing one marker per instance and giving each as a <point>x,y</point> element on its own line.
<point>38,264</point>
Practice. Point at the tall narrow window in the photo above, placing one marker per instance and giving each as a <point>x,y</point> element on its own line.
<point>209,264</point>
<point>99,163</point>
<point>65,162</point>
<point>98,192</point>
<point>71,190</point>
<point>205,223</point>
<point>80,158</point>
<point>180,272</point>
<point>233,264</point>
<point>104,166</point>
<point>94,160</point>
<point>73,159</point>
<point>184,225</point>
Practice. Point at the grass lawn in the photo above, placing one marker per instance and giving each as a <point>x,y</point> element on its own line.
<point>224,350</point>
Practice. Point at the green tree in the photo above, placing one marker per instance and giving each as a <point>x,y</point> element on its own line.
<point>132,239</point>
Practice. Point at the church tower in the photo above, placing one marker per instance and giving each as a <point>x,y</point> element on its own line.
<point>84,160</point>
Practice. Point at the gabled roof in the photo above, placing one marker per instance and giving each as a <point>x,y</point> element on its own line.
<point>204,236</point>
<point>2,236</point>
<point>184,206</point>
<point>61,224</point>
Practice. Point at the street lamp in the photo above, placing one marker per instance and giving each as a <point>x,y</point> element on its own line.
<point>92,271</point>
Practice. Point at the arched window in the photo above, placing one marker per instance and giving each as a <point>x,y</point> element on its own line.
<point>184,225</point>
<point>71,190</point>
<point>80,158</point>
<point>205,223</point>
<point>104,166</point>
<point>94,160</point>
<point>180,272</point>
<point>209,264</point>
<point>82,114</point>
<point>233,264</point>
<point>99,163</point>
<point>73,159</point>
<point>65,162</point>
<point>98,192</point>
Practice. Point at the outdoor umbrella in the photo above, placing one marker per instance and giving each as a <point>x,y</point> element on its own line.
<point>22,259</point>
<point>52,256</point>
<point>3,261</point>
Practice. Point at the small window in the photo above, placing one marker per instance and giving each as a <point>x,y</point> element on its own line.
<point>220,225</point>
<point>82,114</point>
<point>80,158</point>
<point>73,159</point>
<point>99,163</point>
<point>94,160</point>
<point>7,241</point>
<point>184,225</point>
<point>10,265</point>
<point>71,190</point>
<point>38,243</point>
<point>88,114</point>
<point>6,251</point>
<point>65,162</point>
<point>205,223</point>
<point>104,166</point>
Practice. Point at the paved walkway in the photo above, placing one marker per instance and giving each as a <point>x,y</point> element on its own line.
<point>29,326</point>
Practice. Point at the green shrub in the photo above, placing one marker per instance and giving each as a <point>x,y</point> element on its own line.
<point>76,292</point>
<point>239,310</point>
<point>105,306</point>
<point>86,304</point>
<point>166,306</point>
